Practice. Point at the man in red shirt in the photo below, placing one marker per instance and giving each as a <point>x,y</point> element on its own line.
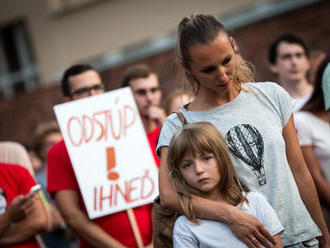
<point>109,231</point>
<point>22,216</point>
<point>147,94</point>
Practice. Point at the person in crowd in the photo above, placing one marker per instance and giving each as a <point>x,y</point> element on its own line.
<point>114,230</point>
<point>34,159</point>
<point>313,128</point>
<point>257,122</point>
<point>15,153</point>
<point>176,100</point>
<point>22,215</point>
<point>147,94</point>
<point>46,135</point>
<point>288,58</point>
<point>199,163</point>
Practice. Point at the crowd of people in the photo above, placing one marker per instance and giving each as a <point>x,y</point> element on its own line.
<point>241,163</point>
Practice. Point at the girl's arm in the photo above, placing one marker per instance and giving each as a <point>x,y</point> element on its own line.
<point>304,180</point>
<point>243,225</point>
<point>322,186</point>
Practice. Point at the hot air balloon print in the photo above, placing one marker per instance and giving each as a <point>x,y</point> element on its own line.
<point>245,142</point>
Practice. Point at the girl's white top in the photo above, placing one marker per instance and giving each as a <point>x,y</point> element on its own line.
<point>215,234</point>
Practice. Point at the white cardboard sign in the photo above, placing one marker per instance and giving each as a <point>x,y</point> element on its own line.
<point>109,151</point>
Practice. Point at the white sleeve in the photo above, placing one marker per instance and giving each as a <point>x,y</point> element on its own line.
<point>266,214</point>
<point>285,103</point>
<point>182,236</point>
<point>171,125</point>
<point>303,128</point>
<point>279,98</point>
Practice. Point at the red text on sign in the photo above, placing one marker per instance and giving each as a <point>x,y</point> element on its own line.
<point>127,192</point>
<point>101,125</point>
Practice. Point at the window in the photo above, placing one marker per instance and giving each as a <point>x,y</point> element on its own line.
<point>18,72</point>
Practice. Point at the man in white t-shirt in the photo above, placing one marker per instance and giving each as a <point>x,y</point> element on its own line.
<point>288,57</point>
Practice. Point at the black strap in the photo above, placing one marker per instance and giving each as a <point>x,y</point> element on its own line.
<point>181,118</point>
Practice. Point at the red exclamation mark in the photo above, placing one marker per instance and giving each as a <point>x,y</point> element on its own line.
<point>111,163</point>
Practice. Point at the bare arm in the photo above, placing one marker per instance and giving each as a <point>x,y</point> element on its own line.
<point>16,211</point>
<point>5,222</point>
<point>322,186</point>
<point>35,222</point>
<point>303,179</point>
<point>57,221</point>
<point>243,225</point>
<point>67,202</point>
<point>278,241</point>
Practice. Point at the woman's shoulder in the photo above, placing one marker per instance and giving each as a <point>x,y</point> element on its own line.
<point>264,86</point>
<point>272,91</point>
<point>170,126</point>
<point>172,118</point>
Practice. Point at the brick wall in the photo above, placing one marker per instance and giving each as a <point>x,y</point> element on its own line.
<point>19,116</point>
<point>310,23</point>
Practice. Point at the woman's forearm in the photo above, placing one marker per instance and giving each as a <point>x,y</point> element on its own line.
<point>168,197</point>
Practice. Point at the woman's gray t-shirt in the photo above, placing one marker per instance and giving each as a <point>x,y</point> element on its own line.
<point>252,126</point>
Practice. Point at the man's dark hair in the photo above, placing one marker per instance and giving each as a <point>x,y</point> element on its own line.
<point>73,71</point>
<point>316,102</point>
<point>288,38</point>
<point>134,72</point>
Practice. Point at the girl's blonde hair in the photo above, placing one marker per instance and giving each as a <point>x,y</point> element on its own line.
<point>201,29</point>
<point>197,139</point>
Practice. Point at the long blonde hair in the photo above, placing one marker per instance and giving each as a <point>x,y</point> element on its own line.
<point>197,139</point>
<point>201,29</point>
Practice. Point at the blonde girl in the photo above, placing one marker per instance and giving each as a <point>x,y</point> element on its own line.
<point>199,163</point>
<point>257,123</point>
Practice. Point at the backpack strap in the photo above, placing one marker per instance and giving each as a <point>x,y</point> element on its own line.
<point>181,118</point>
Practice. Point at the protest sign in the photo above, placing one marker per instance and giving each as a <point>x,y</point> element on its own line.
<point>109,151</point>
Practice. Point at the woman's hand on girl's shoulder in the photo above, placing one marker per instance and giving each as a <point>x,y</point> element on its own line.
<point>249,230</point>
